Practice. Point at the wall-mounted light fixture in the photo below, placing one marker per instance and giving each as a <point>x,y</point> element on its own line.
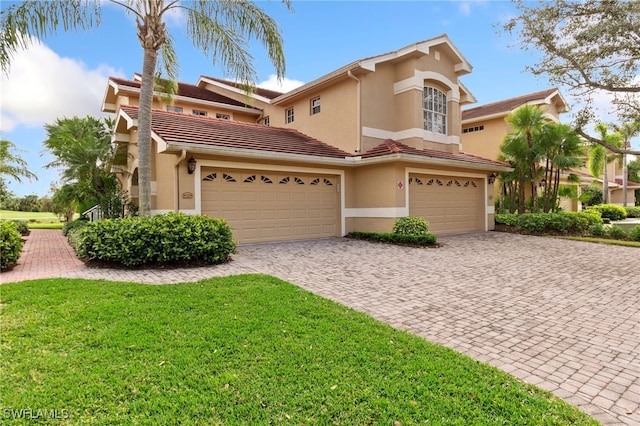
<point>543,183</point>
<point>191,165</point>
<point>492,178</point>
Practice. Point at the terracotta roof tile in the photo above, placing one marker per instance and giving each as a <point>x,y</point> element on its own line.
<point>630,184</point>
<point>214,132</point>
<point>505,106</point>
<point>190,91</point>
<point>269,94</point>
<point>390,146</point>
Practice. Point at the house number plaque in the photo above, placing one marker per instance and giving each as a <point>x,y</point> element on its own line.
<point>187,195</point>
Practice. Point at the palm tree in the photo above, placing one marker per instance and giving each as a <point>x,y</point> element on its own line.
<point>82,148</point>
<point>562,147</point>
<point>523,150</point>
<point>627,131</point>
<point>12,164</point>
<point>221,28</point>
<point>599,157</point>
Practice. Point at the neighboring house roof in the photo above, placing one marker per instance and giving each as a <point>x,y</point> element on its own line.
<point>269,94</point>
<point>630,184</point>
<point>389,147</point>
<point>506,106</point>
<point>189,91</point>
<point>213,132</point>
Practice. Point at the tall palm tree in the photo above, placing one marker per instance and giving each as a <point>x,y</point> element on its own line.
<point>222,28</point>
<point>562,148</point>
<point>523,148</point>
<point>627,131</point>
<point>600,157</point>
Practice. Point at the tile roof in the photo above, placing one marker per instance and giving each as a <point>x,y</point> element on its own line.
<point>506,105</point>
<point>630,184</point>
<point>214,132</point>
<point>389,147</point>
<point>190,91</point>
<point>269,94</point>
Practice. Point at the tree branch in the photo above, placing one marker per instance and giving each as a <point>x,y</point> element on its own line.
<point>606,145</point>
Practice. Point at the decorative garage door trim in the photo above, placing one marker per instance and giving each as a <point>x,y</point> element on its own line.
<point>269,168</point>
<point>452,179</point>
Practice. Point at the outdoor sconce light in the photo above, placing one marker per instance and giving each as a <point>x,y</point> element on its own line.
<point>543,183</point>
<point>492,177</point>
<point>191,165</point>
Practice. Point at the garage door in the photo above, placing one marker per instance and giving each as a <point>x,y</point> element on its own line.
<point>273,206</point>
<point>450,204</point>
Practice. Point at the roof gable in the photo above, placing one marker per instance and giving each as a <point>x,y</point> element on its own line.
<point>506,106</point>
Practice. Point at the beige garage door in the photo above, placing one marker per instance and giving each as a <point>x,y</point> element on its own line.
<point>450,204</point>
<point>272,206</point>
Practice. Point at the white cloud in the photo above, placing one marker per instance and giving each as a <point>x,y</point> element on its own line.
<point>465,8</point>
<point>284,86</point>
<point>42,87</point>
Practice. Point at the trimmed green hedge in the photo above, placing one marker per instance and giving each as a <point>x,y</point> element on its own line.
<point>164,238</point>
<point>10,244</point>
<point>610,211</point>
<point>394,238</point>
<point>562,222</point>
<point>633,211</point>
<point>634,234</point>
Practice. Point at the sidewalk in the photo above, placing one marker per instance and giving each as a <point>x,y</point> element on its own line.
<point>46,253</point>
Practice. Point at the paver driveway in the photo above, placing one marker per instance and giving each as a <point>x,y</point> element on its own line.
<point>560,314</point>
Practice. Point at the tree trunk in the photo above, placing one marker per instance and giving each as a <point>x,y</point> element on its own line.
<point>144,131</point>
<point>605,183</point>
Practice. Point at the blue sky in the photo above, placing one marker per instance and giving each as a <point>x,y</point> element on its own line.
<point>66,75</point>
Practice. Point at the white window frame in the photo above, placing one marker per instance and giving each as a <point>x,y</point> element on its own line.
<point>265,121</point>
<point>315,106</point>
<point>199,112</point>
<point>172,108</point>
<point>223,116</point>
<point>288,115</point>
<point>434,107</point>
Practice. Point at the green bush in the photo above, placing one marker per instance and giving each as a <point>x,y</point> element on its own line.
<point>509,219</point>
<point>22,226</point>
<point>411,225</point>
<point>634,234</point>
<point>610,211</point>
<point>395,238</point>
<point>533,222</point>
<point>633,211</point>
<point>165,238</point>
<point>73,226</point>
<point>597,230</point>
<point>10,244</point>
<point>616,232</point>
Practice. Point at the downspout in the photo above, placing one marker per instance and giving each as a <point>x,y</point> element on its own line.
<point>358,112</point>
<point>183,155</point>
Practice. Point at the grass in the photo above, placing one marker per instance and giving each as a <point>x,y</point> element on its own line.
<point>625,243</point>
<point>42,217</point>
<point>249,349</point>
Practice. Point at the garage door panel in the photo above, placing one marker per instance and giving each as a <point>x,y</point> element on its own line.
<point>272,206</point>
<point>450,204</point>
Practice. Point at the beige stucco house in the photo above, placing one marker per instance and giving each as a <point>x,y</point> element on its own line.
<point>375,140</point>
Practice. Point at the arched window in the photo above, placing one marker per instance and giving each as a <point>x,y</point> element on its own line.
<point>434,106</point>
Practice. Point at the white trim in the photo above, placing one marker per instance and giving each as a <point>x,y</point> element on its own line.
<point>491,210</point>
<point>410,133</point>
<point>393,212</point>
<point>270,167</point>
<point>417,82</point>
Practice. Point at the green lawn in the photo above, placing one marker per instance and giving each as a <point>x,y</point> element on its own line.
<point>41,217</point>
<point>249,349</point>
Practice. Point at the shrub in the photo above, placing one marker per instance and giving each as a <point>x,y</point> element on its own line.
<point>509,219</point>
<point>73,231</point>
<point>10,244</point>
<point>165,238</point>
<point>610,211</point>
<point>533,222</point>
<point>634,234</point>
<point>21,226</point>
<point>395,238</point>
<point>616,232</point>
<point>633,211</point>
<point>591,195</point>
<point>73,225</point>
<point>411,225</point>
<point>597,230</point>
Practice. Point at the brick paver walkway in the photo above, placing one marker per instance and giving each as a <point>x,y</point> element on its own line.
<point>560,314</point>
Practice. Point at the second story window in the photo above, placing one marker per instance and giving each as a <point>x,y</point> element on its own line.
<point>289,115</point>
<point>315,105</point>
<point>434,108</point>
<point>265,121</point>
<point>198,112</point>
<point>172,108</point>
<point>223,116</point>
